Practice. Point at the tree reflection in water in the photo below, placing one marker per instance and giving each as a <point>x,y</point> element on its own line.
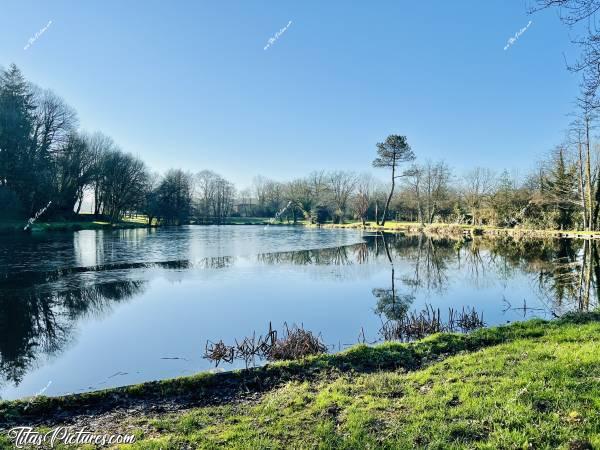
<point>36,322</point>
<point>389,303</point>
<point>336,256</point>
<point>565,272</point>
<point>38,311</point>
<point>37,317</point>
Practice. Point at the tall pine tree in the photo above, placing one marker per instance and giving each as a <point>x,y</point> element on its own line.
<point>17,154</point>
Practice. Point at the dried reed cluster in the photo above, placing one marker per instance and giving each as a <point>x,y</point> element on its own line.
<point>296,343</point>
<point>417,325</point>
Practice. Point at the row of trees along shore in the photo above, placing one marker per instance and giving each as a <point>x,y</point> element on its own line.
<point>45,157</point>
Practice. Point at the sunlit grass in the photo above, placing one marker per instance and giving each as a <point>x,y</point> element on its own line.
<point>526,385</point>
<point>86,223</point>
<point>541,391</point>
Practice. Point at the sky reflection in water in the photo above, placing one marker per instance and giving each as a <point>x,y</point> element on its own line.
<point>95,309</point>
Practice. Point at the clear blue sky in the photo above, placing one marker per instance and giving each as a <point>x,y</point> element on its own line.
<point>188,84</point>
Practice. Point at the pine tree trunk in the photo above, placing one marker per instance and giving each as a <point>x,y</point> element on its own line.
<point>387,203</point>
<point>389,199</point>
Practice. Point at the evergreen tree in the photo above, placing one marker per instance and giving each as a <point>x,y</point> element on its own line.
<point>17,154</point>
<point>390,154</point>
<point>560,188</point>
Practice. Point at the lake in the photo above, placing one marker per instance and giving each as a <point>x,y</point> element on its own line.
<point>94,309</point>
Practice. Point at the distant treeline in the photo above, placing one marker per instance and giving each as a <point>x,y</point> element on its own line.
<point>44,157</point>
<point>428,192</point>
<point>563,192</point>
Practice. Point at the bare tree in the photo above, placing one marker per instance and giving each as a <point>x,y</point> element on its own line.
<point>223,204</point>
<point>430,186</point>
<point>205,192</point>
<point>54,121</point>
<point>75,166</point>
<point>302,195</point>
<point>274,197</point>
<point>259,184</point>
<point>53,124</point>
<point>360,206</point>
<point>317,182</point>
<point>573,13</point>
<point>99,146</point>
<point>576,139</point>
<point>341,185</point>
<point>214,197</point>
<point>245,206</point>
<point>477,187</point>
<point>365,186</point>
<point>123,181</point>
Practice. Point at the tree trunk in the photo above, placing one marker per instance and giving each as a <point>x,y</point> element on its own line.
<point>581,188</point>
<point>588,174</point>
<point>387,250</point>
<point>79,204</point>
<point>389,199</point>
<point>387,204</point>
<point>432,214</point>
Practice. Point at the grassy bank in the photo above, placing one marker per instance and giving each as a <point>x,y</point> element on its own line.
<point>80,223</point>
<point>529,385</point>
<point>84,222</point>
<point>464,229</point>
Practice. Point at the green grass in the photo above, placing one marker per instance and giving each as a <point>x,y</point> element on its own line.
<point>540,391</point>
<point>360,358</point>
<point>529,385</point>
<point>14,226</point>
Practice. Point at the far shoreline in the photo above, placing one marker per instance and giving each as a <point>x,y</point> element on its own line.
<point>433,229</point>
<point>466,230</point>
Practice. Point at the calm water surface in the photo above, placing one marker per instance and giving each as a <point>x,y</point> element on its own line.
<point>95,309</point>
